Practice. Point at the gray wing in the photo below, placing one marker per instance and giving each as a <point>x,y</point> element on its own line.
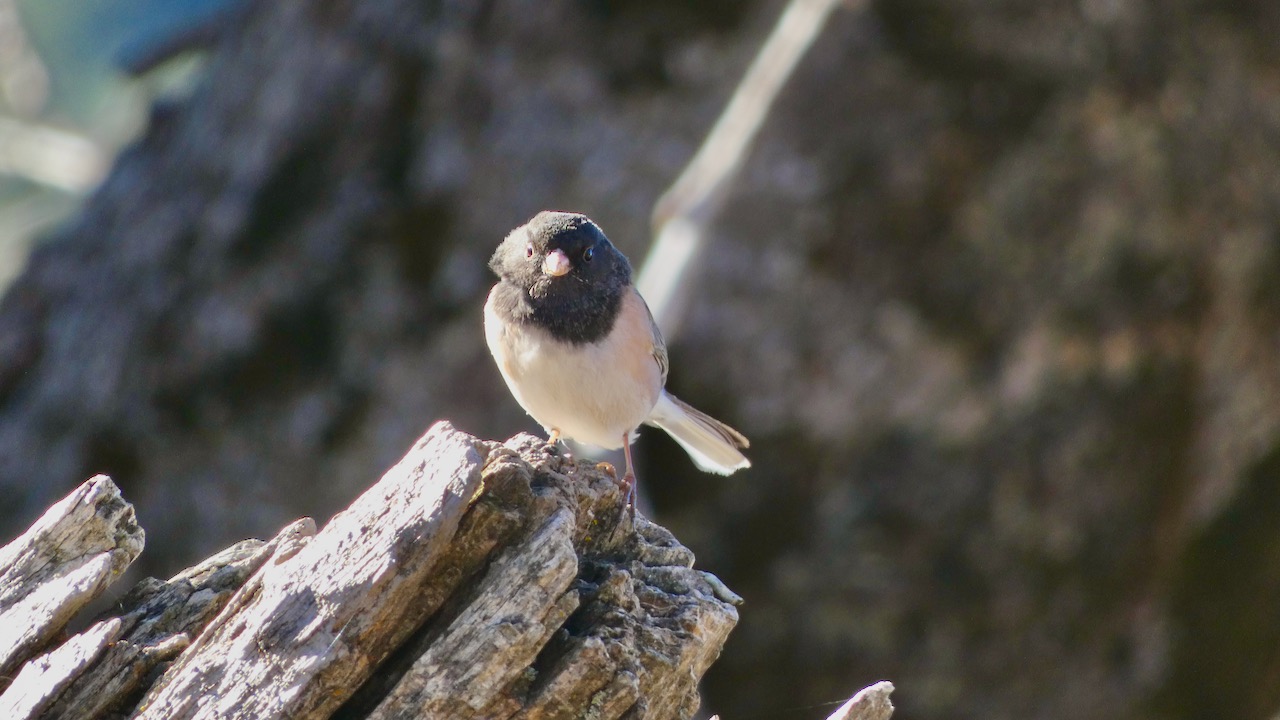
<point>659,345</point>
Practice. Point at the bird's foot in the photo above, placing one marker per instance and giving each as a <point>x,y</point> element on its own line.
<point>552,448</point>
<point>628,485</point>
<point>629,489</point>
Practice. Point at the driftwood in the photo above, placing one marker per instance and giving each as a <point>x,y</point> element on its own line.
<point>95,672</point>
<point>475,580</point>
<point>63,562</point>
<point>871,703</point>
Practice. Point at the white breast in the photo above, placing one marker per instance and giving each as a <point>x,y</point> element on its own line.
<point>594,393</point>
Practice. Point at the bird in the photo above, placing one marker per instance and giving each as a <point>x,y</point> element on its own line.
<point>580,351</point>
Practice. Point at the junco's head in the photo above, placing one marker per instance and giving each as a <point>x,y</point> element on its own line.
<point>559,253</point>
<point>572,276</point>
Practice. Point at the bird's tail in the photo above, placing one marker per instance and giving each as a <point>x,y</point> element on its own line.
<point>713,445</point>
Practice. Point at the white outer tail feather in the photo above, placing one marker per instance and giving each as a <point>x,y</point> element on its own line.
<point>713,445</point>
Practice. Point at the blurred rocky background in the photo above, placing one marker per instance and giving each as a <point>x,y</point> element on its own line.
<point>996,297</point>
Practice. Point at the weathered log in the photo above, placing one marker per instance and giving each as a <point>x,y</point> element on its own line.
<point>64,561</point>
<point>475,580</point>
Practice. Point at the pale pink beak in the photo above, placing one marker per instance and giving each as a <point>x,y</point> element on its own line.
<point>556,264</point>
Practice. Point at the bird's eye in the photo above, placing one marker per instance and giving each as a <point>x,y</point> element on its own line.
<point>588,254</point>
<point>528,250</point>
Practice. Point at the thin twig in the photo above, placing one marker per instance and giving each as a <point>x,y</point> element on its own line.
<point>50,156</point>
<point>681,216</point>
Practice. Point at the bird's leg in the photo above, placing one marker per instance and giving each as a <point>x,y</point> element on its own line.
<point>629,478</point>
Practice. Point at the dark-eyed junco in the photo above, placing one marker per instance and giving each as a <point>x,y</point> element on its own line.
<point>580,351</point>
